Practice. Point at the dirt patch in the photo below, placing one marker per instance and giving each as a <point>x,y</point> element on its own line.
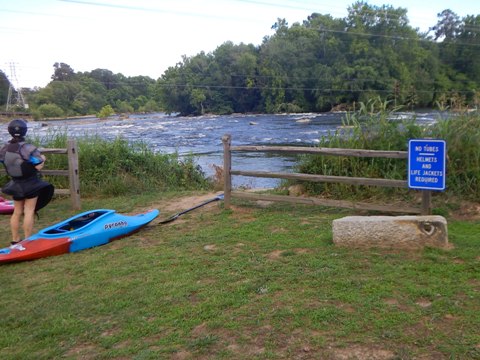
<point>362,353</point>
<point>467,211</point>
<point>83,351</point>
<point>212,247</point>
<point>391,301</point>
<point>424,303</point>
<point>200,330</point>
<point>181,355</point>
<point>277,254</point>
<point>278,230</point>
<point>184,203</point>
<point>172,207</point>
<point>242,214</point>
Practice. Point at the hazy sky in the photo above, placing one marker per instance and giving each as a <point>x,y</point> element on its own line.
<point>145,37</point>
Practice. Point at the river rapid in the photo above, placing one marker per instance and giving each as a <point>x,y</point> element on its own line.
<point>202,136</point>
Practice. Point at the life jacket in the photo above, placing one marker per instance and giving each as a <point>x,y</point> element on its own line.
<point>18,161</point>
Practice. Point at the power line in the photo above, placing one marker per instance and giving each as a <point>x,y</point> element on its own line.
<point>152,9</point>
<point>286,78</point>
<point>374,13</point>
<point>255,2</point>
<point>316,89</point>
<point>394,37</point>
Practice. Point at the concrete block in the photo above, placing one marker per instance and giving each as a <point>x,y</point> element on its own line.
<point>391,231</point>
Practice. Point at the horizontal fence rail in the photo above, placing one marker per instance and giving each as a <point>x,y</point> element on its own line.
<point>324,151</point>
<point>72,172</point>
<point>229,172</point>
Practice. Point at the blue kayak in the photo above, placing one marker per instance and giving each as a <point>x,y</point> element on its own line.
<point>83,231</point>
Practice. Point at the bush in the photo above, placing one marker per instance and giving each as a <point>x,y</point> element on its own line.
<point>105,112</point>
<point>48,111</point>
<point>462,136</point>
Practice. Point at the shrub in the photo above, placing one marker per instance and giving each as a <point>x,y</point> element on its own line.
<point>48,111</point>
<point>105,112</point>
<point>462,136</point>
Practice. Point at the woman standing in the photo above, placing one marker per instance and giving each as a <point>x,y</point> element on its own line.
<point>22,162</point>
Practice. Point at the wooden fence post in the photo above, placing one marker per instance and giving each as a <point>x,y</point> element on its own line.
<point>73,174</point>
<point>227,168</point>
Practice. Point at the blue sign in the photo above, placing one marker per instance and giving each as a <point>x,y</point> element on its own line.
<point>426,164</point>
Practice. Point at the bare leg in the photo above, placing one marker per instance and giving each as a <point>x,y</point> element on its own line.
<point>29,216</point>
<point>15,219</point>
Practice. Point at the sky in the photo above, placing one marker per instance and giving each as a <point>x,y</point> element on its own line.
<point>146,37</point>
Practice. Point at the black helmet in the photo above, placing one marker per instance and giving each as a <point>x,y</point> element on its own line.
<point>17,128</point>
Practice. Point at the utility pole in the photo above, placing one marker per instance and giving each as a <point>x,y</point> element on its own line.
<point>15,97</point>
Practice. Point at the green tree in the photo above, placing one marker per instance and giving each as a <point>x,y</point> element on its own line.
<point>174,88</point>
<point>448,25</point>
<point>48,111</point>
<point>123,107</point>
<point>63,72</point>
<point>86,93</point>
<point>105,112</point>
<point>4,86</point>
<point>197,98</point>
<point>150,106</point>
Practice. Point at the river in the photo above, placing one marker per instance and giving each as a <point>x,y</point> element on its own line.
<point>202,136</point>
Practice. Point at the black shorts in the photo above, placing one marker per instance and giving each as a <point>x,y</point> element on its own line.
<point>29,196</point>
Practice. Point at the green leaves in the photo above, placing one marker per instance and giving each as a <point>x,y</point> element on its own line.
<point>105,112</point>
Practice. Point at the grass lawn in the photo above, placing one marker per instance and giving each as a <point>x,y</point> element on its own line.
<point>254,282</point>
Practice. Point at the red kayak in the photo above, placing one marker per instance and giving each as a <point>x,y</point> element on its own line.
<point>6,206</point>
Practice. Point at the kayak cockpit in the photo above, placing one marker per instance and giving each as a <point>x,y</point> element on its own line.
<point>76,223</point>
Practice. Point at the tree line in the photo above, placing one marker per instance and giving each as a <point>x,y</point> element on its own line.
<point>321,64</point>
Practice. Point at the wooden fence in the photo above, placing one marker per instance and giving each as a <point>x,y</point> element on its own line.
<point>72,172</point>
<point>425,208</point>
